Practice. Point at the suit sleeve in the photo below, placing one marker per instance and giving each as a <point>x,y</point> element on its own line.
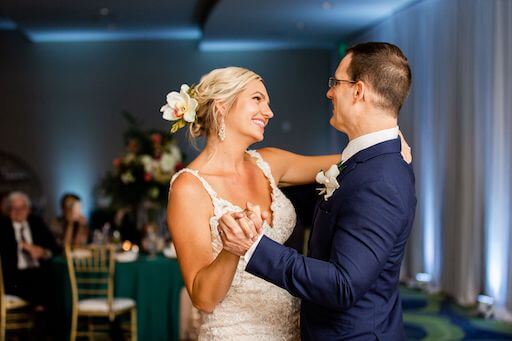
<point>367,227</point>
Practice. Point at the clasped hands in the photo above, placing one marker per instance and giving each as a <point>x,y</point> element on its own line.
<point>35,252</point>
<point>239,230</point>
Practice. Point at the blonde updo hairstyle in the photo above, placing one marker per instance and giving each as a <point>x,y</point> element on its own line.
<point>218,86</point>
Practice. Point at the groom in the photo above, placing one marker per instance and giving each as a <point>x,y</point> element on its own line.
<point>349,281</point>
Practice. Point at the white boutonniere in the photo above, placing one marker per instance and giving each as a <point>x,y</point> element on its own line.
<point>328,179</point>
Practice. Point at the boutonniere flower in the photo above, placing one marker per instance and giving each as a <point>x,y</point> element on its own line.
<point>180,107</point>
<point>328,179</point>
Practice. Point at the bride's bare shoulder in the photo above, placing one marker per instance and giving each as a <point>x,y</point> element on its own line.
<point>276,159</point>
<point>272,154</point>
<point>187,187</point>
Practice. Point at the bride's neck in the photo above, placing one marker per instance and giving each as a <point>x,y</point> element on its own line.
<point>226,156</point>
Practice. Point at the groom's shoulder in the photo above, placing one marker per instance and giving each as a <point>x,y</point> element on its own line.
<point>390,168</point>
<point>386,174</point>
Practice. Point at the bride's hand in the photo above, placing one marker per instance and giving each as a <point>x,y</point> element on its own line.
<point>406,149</point>
<point>237,232</point>
<point>254,213</point>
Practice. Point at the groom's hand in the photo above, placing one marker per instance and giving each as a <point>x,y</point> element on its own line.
<point>254,213</point>
<point>237,232</point>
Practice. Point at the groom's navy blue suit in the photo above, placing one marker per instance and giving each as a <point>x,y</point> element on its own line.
<point>349,282</point>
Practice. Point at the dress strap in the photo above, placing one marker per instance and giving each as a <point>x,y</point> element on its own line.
<point>264,166</point>
<point>195,173</point>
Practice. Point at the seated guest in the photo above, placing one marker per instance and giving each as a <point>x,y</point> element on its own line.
<point>4,211</point>
<point>26,244</point>
<point>71,227</point>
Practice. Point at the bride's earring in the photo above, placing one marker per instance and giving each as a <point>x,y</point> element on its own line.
<point>222,129</point>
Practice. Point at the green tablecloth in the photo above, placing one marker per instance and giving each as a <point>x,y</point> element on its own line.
<point>154,283</point>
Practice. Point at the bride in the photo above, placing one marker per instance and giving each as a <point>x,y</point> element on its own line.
<point>230,108</point>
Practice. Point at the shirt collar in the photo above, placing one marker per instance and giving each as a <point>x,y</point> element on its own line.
<point>368,140</point>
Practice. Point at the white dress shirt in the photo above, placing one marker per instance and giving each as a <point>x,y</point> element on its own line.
<point>353,147</point>
<point>19,228</point>
<point>366,141</point>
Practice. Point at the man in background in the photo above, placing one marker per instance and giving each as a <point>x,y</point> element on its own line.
<point>26,245</point>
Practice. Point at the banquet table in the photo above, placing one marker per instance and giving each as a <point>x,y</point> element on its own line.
<point>154,283</point>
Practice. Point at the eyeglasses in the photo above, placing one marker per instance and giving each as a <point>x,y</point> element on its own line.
<point>333,81</point>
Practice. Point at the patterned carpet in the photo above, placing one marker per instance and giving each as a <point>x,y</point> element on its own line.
<point>436,317</point>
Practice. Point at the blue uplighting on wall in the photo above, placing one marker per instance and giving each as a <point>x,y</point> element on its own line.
<point>429,214</point>
<point>497,223</point>
<point>7,24</point>
<point>497,197</point>
<point>256,45</point>
<point>74,175</point>
<point>354,13</point>
<point>46,36</point>
<point>497,187</point>
<point>430,200</point>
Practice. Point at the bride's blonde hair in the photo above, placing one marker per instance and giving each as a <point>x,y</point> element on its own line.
<point>218,86</point>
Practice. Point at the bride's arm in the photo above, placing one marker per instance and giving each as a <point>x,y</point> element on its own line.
<point>207,278</point>
<point>294,169</point>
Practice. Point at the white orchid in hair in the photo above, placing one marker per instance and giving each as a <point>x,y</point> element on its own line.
<point>180,107</point>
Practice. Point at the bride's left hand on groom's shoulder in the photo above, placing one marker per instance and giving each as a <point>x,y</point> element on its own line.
<point>406,149</point>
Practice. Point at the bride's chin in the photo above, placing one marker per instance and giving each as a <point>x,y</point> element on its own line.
<point>256,140</point>
<point>260,137</point>
<point>257,137</point>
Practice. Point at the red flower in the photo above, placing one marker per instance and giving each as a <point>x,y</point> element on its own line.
<point>148,177</point>
<point>179,166</point>
<point>116,162</point>
<point>156,138</point>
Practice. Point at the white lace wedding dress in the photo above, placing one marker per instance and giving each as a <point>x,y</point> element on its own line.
<point>253,309</point>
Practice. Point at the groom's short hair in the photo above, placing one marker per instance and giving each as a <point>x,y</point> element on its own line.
<point>385,68</point>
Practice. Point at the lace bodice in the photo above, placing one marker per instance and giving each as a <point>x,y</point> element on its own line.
<point>253,308</point>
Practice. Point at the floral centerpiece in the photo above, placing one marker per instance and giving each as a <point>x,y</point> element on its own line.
<point>143,172</point>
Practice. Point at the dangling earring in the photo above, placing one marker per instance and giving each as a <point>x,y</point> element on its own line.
<point>222,129</point>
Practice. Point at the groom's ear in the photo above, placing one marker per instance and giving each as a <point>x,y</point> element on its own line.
<point>359,90</point>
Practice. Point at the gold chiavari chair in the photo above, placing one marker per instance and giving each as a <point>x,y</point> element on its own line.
<point>91,274</point>
<point>14,311</point>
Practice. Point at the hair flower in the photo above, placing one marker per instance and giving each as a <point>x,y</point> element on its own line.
<point>180,107</point>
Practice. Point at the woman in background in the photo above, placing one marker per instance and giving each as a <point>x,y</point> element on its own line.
<point>70,229</point>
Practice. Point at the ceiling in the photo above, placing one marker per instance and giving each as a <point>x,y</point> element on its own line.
<point>223,24</point>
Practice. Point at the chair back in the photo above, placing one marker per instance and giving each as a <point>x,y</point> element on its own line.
<point>91,273</point>
<point>2,290</point>
<point>3,308</point>
<point>15,315</point>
